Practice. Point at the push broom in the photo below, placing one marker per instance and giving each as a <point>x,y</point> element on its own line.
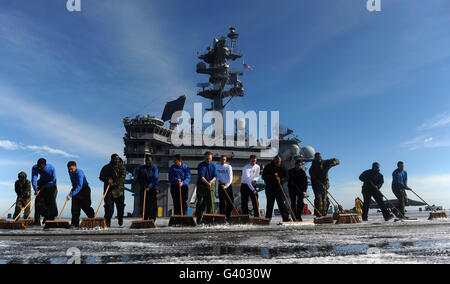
<point>321,219</point>
<point>435,214</point>
<point>28,221</point>
<point>143,224</point>
<point>259,220</point>
<point>15,225</point>
<point>1,218</point>
<point>237,219</point>
<point>91,223</point>
<point>212,219</point>
<point>289,204</point>
<point>181,220</point>
<point>346,218</point>
<point>394,207</point>
<point>58,224</point>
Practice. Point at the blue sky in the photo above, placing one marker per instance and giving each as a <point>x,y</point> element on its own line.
<point>358,86</point>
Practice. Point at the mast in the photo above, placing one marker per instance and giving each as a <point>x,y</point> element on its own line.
<point>224,82</point>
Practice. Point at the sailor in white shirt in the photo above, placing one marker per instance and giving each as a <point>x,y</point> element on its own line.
<point>250,175</point>
<point>225,188</point>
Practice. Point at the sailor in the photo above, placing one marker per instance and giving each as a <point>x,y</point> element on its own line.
<point>179,177</point>
<point>399,187</point>
<point>320,182</point>
<point>250,175</point>
<point>373,181</point>
<point>207,175</point>
<point>225,180</point>
<point>22,187</point>
<point>80,194</point>
<point>298,185</point>
<point>274,175</point>
<point>113,175</point>
<point>46,190</point>
<point>358,205</point>
<point>148,180</point>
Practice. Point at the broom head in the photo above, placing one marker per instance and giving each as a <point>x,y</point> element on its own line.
<point>297,223</point>
<point>143,224</point>
<point>324,220</point>
<point>57,224</point>
<point>260,221</point>
<point>182,221</point>
<point>213,219</point>
<point>437,215</point>
<point>92,223</point>
<point>348,218</point>
<point>26,222</point>
<point>12,226</point>
<point>239,220</point>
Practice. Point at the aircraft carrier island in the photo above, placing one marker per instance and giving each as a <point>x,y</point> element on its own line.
<point>148,135</point>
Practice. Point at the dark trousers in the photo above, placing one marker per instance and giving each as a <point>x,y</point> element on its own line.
<point>247,193</point>
<point>82,201</point>
<point>46,202</point>
<point>297,202</point>
<point>275,194</point>
<point>109,206</point>
<point>321,201</point>
<point>20,204</point>
<point>151,203</point>
<point>368,194</point>
<point>402,197</point>
<point>175,192</point>
<point>225,205</point>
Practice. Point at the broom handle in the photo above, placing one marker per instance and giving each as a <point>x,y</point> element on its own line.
<point>287,200</point>
<point>229,198</point>
<point>334,199</point>
<point>212,200</point>
<point>181,201</point>
<point>60,214</point>
<point>143,205</point>
<point>422,200</point>
<point>309,201</point>
<point>18,216</point>
<point>390,203</point>
<point>257,204</point>
<point>104,195</point>
<point>32,209</point>
<point>8,210</point>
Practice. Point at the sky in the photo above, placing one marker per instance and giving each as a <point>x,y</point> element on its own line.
<point>356,85</point>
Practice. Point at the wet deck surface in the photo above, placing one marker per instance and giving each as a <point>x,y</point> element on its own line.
<point>422,241</point>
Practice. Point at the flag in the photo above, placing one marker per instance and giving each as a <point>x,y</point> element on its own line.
<point>172,107</point>
<point>246,66</point>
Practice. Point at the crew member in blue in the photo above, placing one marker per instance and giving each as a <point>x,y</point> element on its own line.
<point>148,180</point>
<point>207,175</point>
<point>43,180</point>
<point>179,177</point>
<point>80,194</point>
<point>399,187</point>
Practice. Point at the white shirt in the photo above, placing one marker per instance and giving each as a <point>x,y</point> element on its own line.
<point>249,174</point>
<point>225,174</point>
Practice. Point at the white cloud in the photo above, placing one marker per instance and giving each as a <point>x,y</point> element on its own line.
<point>440,120</point>
<point>422,142</point>
<point>8,145</point>
<point>56,126</point>
<point>46,149</point>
